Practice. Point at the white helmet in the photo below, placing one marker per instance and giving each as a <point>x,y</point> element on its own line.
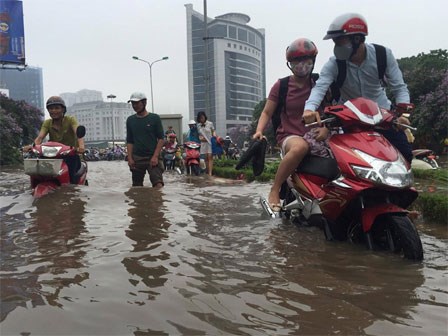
<point>347,24</point>
<point>192,122</point>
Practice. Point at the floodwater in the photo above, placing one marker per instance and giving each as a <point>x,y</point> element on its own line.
<point>198,258</point>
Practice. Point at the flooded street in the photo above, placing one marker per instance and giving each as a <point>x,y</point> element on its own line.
<point>198,258</point>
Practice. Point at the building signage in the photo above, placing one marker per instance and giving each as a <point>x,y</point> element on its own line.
<point>12,39</point>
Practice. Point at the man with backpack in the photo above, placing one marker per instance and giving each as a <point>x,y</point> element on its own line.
<point>284,106</point>
<point>360,69</point>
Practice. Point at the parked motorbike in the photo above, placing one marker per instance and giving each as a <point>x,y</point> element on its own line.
<point>233,153</point>
<point>91,155</point>
<point>191,160</point>
<point>424,159</point>
<point>46,167</point>
<point>361,194</point>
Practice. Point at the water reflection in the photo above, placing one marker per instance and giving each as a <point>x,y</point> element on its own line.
<point>198,258</point>
<point>147,229</point>
<point>44,253</point>
<point>340,288</point>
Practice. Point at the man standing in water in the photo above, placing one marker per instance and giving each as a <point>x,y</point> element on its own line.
<point>145,139</point>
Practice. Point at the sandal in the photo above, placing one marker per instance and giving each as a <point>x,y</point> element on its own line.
<point>276,207</point>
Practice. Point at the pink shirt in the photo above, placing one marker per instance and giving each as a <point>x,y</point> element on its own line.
<point>291,118</point>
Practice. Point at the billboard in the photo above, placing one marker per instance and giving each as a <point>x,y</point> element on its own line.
<point>12,39</point>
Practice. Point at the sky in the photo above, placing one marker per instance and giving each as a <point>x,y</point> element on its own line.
<point>89,44</point>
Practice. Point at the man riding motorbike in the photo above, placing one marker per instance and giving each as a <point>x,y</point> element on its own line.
<point>62,129</point>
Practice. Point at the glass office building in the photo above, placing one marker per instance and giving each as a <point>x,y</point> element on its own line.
<point>235,75</point>
<point>24,85</point>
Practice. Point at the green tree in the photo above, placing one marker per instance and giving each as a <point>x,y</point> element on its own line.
<point>426,76</point>
<point>19,125</point>
<point>268,132</point>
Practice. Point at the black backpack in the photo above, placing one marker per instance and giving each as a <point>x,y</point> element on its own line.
<point>281,105</point>
<point>381,63</point>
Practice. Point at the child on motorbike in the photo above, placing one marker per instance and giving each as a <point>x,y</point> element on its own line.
<point>300,57</point>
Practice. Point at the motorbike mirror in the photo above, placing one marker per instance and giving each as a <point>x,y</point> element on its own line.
<point>80,132</point>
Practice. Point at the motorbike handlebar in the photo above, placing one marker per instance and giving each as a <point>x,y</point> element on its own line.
<point>323,121</point>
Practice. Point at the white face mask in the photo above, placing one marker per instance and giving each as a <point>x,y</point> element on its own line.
<point>343,52</point>
<point>301,69</point>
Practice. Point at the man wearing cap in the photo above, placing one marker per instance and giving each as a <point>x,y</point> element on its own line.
<point>145,139</point>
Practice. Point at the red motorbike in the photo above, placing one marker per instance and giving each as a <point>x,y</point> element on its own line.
<point>47,169</point>
<point>362,193</point>
<point>192,158</point>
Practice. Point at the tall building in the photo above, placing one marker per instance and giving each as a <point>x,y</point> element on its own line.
<point>235,76</point>
<point>104,121</point>
<point>82,96</point>
<point>24,85</point>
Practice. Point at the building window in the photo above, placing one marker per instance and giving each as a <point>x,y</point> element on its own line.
<point>229,45</point>
<point>218,30</point>
<point>232,32</point>
<point>252,38</point>
<point>242,35</point>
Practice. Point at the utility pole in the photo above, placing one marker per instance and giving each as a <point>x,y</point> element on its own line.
<point>111,97</point>
<point>206,77</point>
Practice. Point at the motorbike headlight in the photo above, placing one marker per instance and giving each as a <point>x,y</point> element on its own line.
<point>394,174</point>
<point>48,151</point>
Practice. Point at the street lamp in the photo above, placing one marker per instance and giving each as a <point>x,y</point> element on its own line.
<point>111,96</point>
<point>150,74</point>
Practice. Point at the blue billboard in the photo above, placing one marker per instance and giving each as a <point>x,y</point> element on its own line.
<point>12,39</point>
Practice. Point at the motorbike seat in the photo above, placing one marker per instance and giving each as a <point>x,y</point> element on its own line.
<point>319,166</point>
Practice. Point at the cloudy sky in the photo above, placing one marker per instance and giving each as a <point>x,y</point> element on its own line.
<point>89,44</point>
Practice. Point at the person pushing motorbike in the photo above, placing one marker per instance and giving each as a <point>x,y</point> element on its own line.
<point>61,128</point>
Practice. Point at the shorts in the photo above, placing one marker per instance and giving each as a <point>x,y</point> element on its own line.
<point>206,148</point>
<point>143,165</point>
<point>317,148</point>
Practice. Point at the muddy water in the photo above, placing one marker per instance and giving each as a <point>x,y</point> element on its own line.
<point>198,258</point>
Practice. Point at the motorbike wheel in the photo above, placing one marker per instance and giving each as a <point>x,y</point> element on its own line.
<point>195,169</point>
<point>404,236</point>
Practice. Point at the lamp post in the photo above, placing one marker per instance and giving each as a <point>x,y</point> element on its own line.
<point>111,97</point>
<point>150,74</point>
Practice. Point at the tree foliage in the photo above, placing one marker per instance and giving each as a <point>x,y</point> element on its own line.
<point>269,131</point>
<point>427,78</point>
<point>19,125</point>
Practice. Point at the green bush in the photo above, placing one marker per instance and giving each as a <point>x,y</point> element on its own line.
<point>434,207</point>
<point>431,174</point>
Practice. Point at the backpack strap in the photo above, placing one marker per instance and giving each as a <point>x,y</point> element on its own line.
<point>381,61</point>
<point>281,105</point>
<point>337,84</point>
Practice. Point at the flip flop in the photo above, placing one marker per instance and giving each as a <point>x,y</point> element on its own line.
<point>276,207</point>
